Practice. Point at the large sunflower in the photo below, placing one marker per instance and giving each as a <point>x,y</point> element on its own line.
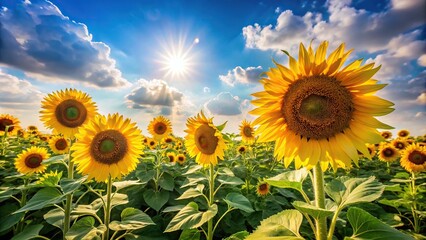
<point>203,140</point>
<point>107,146</point>
<point>414,158</point>
<point>160,127</point>
<point>59,145</point>
<point>247,132</point>
<point>30,160</point>
<point>315,110</point>
<point>11,121</point>
<point>65,111</point>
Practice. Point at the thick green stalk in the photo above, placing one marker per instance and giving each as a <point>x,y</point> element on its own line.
<point>68,203</point>
<point>414,204</point>
<point>108,208</point>
<point>22,203</point>
<point>211,201</point>
<point>321,223</point>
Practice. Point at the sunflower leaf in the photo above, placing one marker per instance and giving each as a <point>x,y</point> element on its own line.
<point>238,201</point>
<point>292,179</point>
<point>312,210</point>
<point>125,184</point>
<point>156,200</point>
<point>44,197</point>
<point>30,232</point>
<point>192,192</point>
<point>131,218</point>
<point>190,217</point>
<point>222,126</point>
<point>190,234</point>
<point>84,229</point>
<point>70,185</point>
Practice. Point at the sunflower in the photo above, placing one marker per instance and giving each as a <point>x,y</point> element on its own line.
<point>317,111</point>
<point>388,153</point>
<point>203,140</point>
<point>107,146</point>
<point>180,158</point>
<point>414,158</point>
<point>160,127</point>
<point>30,160</point>
<point>59,145</point>
<point>403,133</point>
<point>65,111</point>
<point>171,156</point>
<point>151,143</point>
<point>371,149</point>
<point>262,189</point>
<point>247,132</point>
<point>11,121</point>
<point>399,143</point>
<point>386,134</point>
<point>241,149</point>
<point>32,128</point>
<point>168,140</point>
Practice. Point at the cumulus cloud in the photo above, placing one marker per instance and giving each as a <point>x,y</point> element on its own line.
<point>223,104</point>
<point>37,38</point>
<point>154,96</point>
<point>240,75</point>
<point>17,93</point>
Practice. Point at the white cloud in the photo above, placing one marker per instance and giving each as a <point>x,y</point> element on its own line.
<point>240,75</point>
<point>206,90</point>
<point>422,60</point>
<point>277,10</point>
<point>223,104</point>
<point>422,98</point>
<point>17,93</point>
<point>39,39</point>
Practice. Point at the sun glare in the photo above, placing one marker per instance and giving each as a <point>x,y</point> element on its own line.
<point>177,65</point>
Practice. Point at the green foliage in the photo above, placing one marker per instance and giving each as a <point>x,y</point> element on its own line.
<point>131,219</point>
<point>30,232</point>
<point>190,217</point>
<point>85,229</point>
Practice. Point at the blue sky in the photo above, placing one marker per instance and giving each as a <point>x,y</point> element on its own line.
<point>121,53</point>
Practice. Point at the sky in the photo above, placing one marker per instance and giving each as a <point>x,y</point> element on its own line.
<point>174,58</point>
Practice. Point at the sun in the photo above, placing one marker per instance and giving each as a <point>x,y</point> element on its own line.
<point>177,65</point>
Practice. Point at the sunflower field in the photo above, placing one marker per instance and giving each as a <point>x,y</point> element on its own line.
<point>315,163</point>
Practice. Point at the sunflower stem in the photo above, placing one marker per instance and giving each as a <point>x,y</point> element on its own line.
<point>22,203</point>
<point>68,203</point>
<point>108,208</point>
<point>321,223</point>
<point>211,201</point>
<point>416,225</point>
<point>3,140</point>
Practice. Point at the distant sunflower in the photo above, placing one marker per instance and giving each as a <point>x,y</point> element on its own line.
<point>247,132</point>
<point>168,140</point>
<point>317,111</point>
<point>180,158</point>
<point>30,160</point>
<point>160,127</point>
<point>171,156</point>
<point>262,189</point>
<point>403,133</point>
<point>59,145</point>
<point>399,143</point>
<point>371,149</point>
<point>107,146</point>
<point>11,121</point>
<point>32,128</point>
<point>414,158</point>
<point>203,140</point>
<point>386,134</point>
<point>388,153</point>
<point>151,143</point>
<point>65,111</point>
<point>241,149</point>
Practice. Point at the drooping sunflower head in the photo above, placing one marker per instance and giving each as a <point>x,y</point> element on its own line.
<point>107,146</point>
<point>203,140</point>
<point>318,111</point>
<point>399,143</point>
<point>388,153</point>
<point>403,133</point>
<point>262,188</point>
<point>59,145</point>
<point>414,158</point>
<point>11,123</point>
<point>31,160</point>
<point>65,111</point>
<point>180,158</point>
<point>386,134</point>
<point>160,127</point>
<point>247,132</point>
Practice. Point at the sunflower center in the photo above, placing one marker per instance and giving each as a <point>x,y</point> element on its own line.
<point>160,128</point>
<point>71,113</point>
<point>417,158</point>
<point>61,144</point>
<point>205,139</point>
<point>248,131</point>
<point>171,158</point>
<point>33,160</point>
<point>399,145</point>
<point>388,152</point>
<point>403,134</point>
<point>263,187</point>
<point>108,147</point>
<point>4,123</point>
<point>181,159</point>
<point>317,107</point>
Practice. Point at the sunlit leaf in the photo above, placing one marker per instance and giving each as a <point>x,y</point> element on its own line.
<point>190,217</point>
<point>44,197</point>
<point>312,210</point>
<point>84,229</point>
<point>192,192</point>
<point>291,179</point>
<point>190,234</point>
<point>125,184</point>
<point>131,218</point>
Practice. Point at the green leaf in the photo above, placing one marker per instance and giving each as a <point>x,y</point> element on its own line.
<point>192,192</point>
<point>44,197</point>
<point>8,219</point>
<point>222,126</point>
<point>194,179</point>
<point>238,201</point>
<point>55,217</point>
<point>238,236</point>
<point>70,185</point>
<point>193,169</point>
<point>345,191</point>
<point>291,179</point>
<point>7,193</point>
<point>131,218</point>
<point>281,226</point>
<point>174,208</point>
<point>156,200</point>
<point>190,234</point>
<point>312,210</point>
<point>230,180</point>
<point>117,199</point>
<point>91,209</point>
<point>365,226</point>
<point>84,229</point>
<point>190,217</point>
<point>29,232</point>
<point>167,182</point>
<point>125,184</point>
